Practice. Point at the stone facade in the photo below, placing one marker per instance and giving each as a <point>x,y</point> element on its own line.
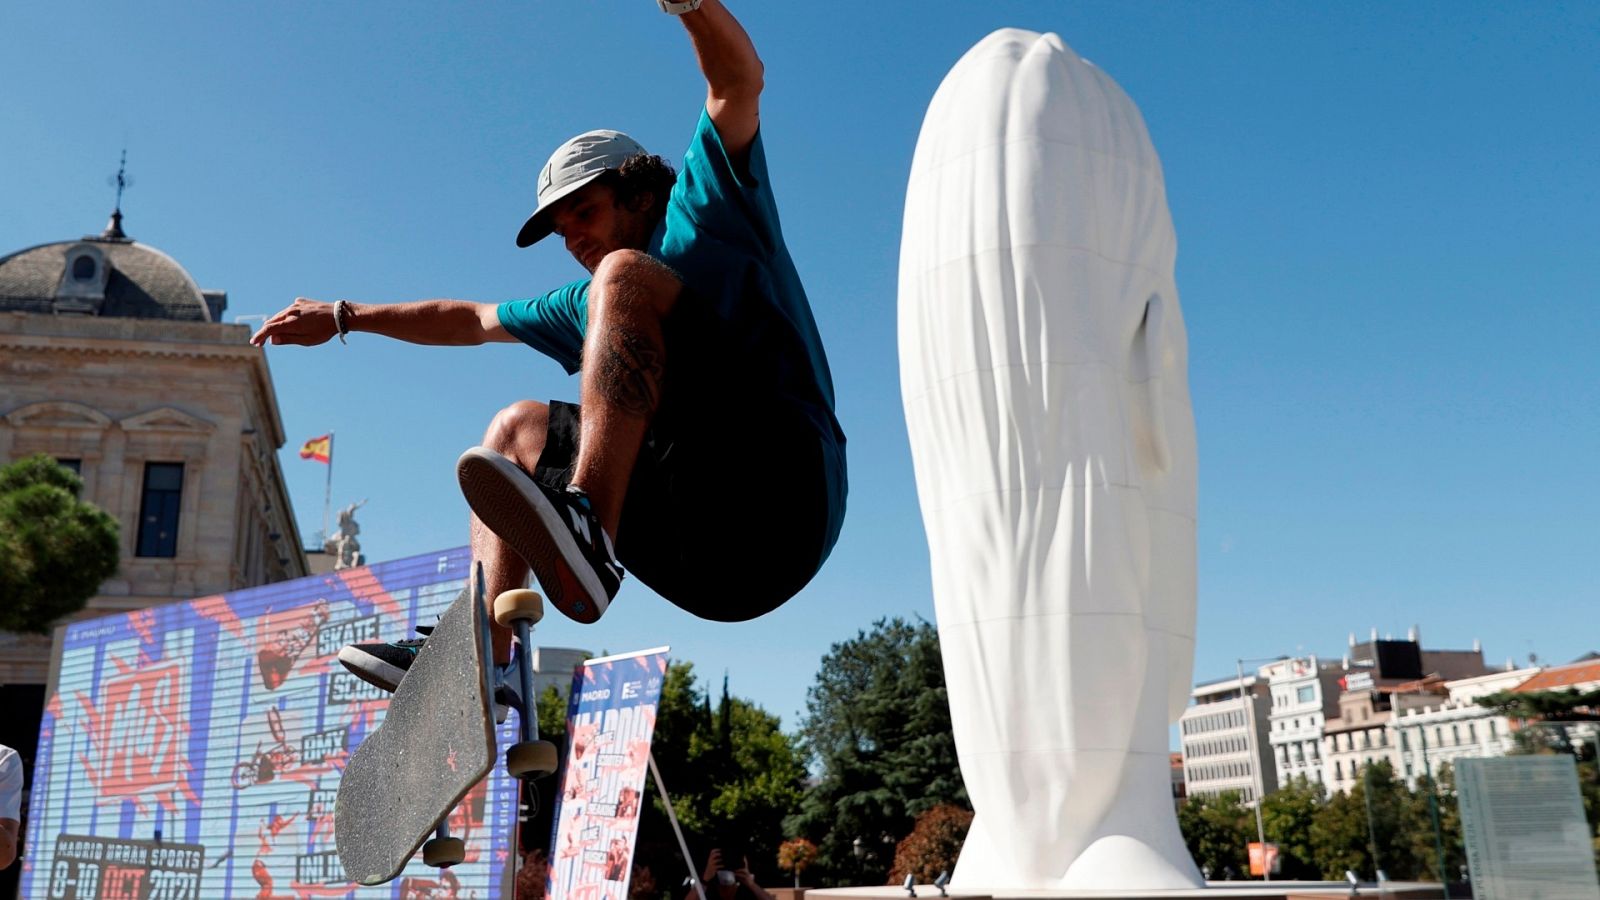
<point>1446,728</point>
<point>1305,694</point>
<point>1359,736</point>
<point>160,382</point>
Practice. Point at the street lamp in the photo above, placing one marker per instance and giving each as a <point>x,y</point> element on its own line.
<point>1433,810</point>
<point>1255,762</point>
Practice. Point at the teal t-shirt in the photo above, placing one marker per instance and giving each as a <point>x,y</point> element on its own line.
<point>722,236</point>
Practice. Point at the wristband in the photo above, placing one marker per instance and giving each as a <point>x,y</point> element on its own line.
<point>678,9</point>
<point>339,310</point>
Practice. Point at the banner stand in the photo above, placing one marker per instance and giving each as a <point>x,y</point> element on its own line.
<point>683,847</point>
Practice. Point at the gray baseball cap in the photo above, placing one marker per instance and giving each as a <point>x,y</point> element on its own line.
<point>573,165</point>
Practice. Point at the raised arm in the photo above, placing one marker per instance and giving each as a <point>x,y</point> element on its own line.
<point>734,74</point>
<point>450,323</point>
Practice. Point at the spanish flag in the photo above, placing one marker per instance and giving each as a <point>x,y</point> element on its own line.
<point>319,449</point>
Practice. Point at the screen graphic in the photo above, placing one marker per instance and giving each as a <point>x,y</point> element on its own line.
<point>193,751</point>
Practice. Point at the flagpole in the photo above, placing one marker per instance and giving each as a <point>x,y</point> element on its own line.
<point>327,492</point>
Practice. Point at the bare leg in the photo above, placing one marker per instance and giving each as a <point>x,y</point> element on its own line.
<point>518,434</point>
<point>624,372</point>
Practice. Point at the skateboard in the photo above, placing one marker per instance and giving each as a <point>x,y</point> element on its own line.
<point>436,742</point>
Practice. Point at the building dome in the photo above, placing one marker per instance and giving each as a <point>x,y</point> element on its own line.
<point>104,275</point>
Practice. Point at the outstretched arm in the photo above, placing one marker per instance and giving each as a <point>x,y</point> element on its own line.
<point>451,323</point>
<point>733,74</point>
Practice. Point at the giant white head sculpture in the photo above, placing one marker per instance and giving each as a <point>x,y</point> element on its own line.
<point>1042,368</point>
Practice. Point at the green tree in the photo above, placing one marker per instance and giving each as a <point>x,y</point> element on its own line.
<point>877,733</point>
<point>1418,827</point>
<point>1287,816</point>
<point>1217,831</point>
<point>1349,829</point>
<point>733,775</point>
<point>1339,836</point>
<point>1545,717</point>
<point>55,549</point>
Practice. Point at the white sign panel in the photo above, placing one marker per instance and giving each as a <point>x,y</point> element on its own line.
<point>1522,821</point>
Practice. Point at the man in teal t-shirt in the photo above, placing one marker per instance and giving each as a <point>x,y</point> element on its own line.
<point>704,455</point>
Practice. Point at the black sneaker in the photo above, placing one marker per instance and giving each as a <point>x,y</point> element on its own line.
<point>384,664</point>
<point>555,532</point>
<point>381,664</point>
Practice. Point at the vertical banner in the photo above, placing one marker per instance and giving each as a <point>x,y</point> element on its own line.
<point>611,716</point>
<point>193,751</point>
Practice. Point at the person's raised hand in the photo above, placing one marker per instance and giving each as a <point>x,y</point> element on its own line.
<point>743,873</point>
<point>713,863</point>
<point>305,322</point>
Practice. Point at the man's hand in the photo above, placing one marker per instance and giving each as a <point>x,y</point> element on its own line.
<point>713,863</point>
<point>742,874</point>
<point>306,322</point>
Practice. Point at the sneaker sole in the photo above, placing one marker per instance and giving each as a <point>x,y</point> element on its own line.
<point>501,495</point>
<point>371,669</point>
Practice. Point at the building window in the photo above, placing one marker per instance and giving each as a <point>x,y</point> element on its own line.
<point>1306,694</point>
<point>1455,734</point>
<point>1494,729</point>
<point>1405,745</point>
<point>75,465</point>
<point>1472,732</point>
<point>158,510</point>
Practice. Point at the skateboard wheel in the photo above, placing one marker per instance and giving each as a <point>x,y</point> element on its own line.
<point>512,606</point>
<point>444,852</point>
<point>530,759</point>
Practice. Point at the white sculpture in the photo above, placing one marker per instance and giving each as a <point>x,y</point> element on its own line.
<point>1042,367</point>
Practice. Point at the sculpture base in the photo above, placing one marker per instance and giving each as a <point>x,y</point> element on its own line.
<point>1215,890</point>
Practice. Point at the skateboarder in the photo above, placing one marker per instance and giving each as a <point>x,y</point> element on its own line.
<point>703,456</point>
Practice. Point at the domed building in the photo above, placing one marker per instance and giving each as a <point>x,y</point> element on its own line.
<point>115,362</point>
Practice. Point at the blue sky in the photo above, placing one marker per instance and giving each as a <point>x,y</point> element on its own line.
<point>1387,219</point>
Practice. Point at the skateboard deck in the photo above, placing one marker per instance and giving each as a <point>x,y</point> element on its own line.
<point>435,743</point>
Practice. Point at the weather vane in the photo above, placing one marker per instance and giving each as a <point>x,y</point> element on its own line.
<point>121,179</point>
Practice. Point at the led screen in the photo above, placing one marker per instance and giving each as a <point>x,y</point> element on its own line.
<point>194,750</point>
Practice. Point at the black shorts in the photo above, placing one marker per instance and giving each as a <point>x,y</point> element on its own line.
<point>726,513</point>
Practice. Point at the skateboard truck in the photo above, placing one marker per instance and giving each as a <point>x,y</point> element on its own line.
<point>444,851</point>
<point>530,757</point>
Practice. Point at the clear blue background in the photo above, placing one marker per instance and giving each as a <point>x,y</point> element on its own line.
<point>1387,217</point>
